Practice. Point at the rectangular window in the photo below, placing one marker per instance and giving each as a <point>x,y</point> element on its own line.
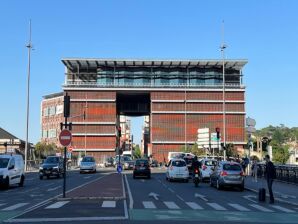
<point>59,109</point>
<point>52,111</point>
<point>46,112</point>
<point>44,133</point>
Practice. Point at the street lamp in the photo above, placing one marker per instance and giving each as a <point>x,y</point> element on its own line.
<point>29,46</point>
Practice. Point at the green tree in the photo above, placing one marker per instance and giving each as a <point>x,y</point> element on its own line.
<point>137,152</point>
<point>193,149</point>
<point>42,150</point>
<point>281,154</point>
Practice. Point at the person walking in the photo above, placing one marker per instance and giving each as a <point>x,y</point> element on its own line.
<point>270,174</point>
<point>254,170</point>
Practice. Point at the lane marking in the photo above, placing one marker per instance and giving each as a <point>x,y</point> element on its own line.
<point>171,205</point>
<point>239,207</point>
<point>283,209</point>
<point>108,204</point>
<point>261,208</point>
<point>149,204</point>
<point>2,204</point>
<point>87,177</point>
<point>217,206</point>
<point>180,197</point>
<point>170,189</point>
<point>13,207</point>
<point>129,193</point>
<point>52,189</point>
<point>58,204</point>
<point>194,205</point>
<point>203,197</point>
<point>33,189</point>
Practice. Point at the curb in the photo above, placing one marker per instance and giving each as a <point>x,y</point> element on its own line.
<point>276,199</point>
<point>92,198</point>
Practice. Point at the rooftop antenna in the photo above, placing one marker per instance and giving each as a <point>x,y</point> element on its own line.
<point>223,46</point>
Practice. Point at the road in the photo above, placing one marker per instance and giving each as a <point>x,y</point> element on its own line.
<point>152,200</point>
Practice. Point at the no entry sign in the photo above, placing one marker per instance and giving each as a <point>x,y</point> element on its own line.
<point>65,137</point>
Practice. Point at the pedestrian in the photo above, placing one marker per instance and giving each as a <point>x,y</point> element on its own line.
<point>254,170</point>
<point>270,174</point>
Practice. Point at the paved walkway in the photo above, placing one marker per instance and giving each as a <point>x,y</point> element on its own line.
<point>109,187</point>
<point>282,191</point>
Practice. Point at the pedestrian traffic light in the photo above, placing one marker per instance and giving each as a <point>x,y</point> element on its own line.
<point>66,105</point>
<point>217,132</point>
<point>5,144</point>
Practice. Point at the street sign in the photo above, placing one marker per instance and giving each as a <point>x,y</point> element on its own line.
<point>203,130</point>
<point>119,168</point>
<point>65,137</point>
<point>70,148</point>
<point>251,129</point>
<point>250,122</point>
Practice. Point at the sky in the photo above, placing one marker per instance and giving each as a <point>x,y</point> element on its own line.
<point>263,32</point>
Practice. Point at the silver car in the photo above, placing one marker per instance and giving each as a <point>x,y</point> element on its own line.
<point>227,174</point>
<point>88,164</point>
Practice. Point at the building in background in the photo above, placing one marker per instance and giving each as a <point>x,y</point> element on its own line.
<point>145,140</point>
<point>51,117</point>
<point>179,96</point>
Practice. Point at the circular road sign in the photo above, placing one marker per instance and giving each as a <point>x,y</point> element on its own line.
<point>65,137</point>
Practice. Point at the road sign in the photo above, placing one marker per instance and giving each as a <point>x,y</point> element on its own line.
<point>251,129</point>
<point>119,168</point>
<point>70,148</point>
<point>250,122</point>
<point>65,137</point>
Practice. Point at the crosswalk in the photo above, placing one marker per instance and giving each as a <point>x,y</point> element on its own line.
<point>169,205</point>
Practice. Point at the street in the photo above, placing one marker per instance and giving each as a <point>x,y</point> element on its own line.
<point>129,200</point>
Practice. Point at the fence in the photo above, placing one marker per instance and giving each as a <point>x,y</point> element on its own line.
<point>286,173</point>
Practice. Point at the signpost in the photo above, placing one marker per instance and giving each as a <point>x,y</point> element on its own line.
<point>203,138</point>
<point>65,137</point>
<point>251,123</point>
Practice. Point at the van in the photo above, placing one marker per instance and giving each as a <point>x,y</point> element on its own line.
<point>11,170</point>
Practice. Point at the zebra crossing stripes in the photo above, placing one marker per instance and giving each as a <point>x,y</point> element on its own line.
<point>108,204</point>
<point>261,208</point>
<point>194,206</point>
<point>14,207</point>
<point>239,207</point>
<point>283,209</point>
<point>148,204</point>
<point>58,204</point>
<point>171,205</point>
<point>217,206</point>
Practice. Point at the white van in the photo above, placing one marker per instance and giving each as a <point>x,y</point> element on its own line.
<point>11,170</point>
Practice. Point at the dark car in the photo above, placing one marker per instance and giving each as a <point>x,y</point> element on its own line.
<point>52,166</point>
<point>141,168</point>
<point>109,162</point>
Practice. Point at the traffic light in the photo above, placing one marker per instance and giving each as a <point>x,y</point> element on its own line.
<point>5,144</point>
<point>119,131</point>
<point>66,105</point>
<point>217,132</point>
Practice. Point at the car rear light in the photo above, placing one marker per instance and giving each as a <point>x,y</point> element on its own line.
<point>204,167</point>
<point>196,171</point>
<point>223,173</point>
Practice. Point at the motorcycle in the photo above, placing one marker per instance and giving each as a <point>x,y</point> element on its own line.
<point>196,178</point>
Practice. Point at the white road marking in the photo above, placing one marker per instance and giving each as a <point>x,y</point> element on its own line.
<point>180,198</point>
<point>33,189</point>
<point>171,205</point>
<point>203,197</point>
<point>239,207</point>
<point>54,188</point>
<point>248,197</point>
<point>194,205</point>
<point>87,177</point>
<point>58,204</point>
<point>149,204</point>
<point>261,208</point>
<point>108,204</point>
<point>282,209</point>
<point>2,204</point>
<point>13,207</point>
<point>217,206</point>
<point>170,189</point>
<point>129,193</point>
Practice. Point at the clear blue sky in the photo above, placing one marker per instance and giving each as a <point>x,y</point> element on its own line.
<point>264,32</point>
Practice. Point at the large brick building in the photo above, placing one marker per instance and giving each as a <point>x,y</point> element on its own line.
<point>180,96</point>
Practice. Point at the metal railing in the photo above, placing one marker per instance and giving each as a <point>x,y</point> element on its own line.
<point>286,173</point>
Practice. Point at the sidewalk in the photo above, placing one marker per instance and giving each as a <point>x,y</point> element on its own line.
<point>283,192</point>
<point>107,187</point>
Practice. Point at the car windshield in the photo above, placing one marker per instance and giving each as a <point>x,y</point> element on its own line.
<point>88,159</point>
<point>141,162</point>
<point>52,160</point>
<point>188,160</point>
<point>178,163</point>
<point>126,158</point>
<point>4,162</point>
<point>210,162</point>
<point>233,167</point>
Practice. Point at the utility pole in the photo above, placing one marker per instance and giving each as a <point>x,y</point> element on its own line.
<point>29,46</point>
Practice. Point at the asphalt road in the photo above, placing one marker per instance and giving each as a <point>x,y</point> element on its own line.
<point>152,200</point>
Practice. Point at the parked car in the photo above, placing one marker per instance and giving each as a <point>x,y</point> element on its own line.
<point>88,164</point>
<point>206,169</point>
<point>177,170</point>
<point>128,163</point>
<point>11,170</point>
<point>141,168</point>
<point>227,174</point>
<point>52,166</point>
<point>109,162</point>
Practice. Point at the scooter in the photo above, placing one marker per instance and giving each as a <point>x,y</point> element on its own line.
<point>196,178</point>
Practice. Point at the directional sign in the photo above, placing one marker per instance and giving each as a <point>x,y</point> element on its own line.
<point>65,137</point>
<point>250,122</point>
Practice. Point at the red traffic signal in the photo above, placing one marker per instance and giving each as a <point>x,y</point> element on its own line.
<point>217,132</point>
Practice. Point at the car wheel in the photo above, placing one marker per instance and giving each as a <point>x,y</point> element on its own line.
<point>218,186</point>
<point>134,176</point>
<point>186,180</point>
<point>58,175</point>
<point>21,184</point>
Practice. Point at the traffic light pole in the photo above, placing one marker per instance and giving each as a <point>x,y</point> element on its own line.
<point>64,165</point>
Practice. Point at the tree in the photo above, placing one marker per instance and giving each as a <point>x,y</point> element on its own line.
<point>281,154</point>
<point>230,150</point>
<point>137,152</point>
<point>193,149</point>
<point>42,150</point>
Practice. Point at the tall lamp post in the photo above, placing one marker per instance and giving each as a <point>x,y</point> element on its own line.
<point>29,46</point>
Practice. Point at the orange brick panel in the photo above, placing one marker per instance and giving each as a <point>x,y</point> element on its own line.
<point>98,129</point>
<point>167,96</point>
<point>214,95</point>
<point>91,95</point>
<point>94,142</point>
<point>168,106</point>
<point>160,152</point>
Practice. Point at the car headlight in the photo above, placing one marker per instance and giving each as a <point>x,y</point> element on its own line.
<point>126,164</point>
<point>41,168</point>
<point>56,167</point>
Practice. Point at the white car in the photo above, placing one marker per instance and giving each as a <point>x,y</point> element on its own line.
<point>11,170</point>
<point>177,170</point>
<point>88,164</point>
<point>207,164</point>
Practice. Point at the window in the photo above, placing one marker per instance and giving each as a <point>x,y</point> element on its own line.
<point>52,111</point>
<point>59,109</point>
<point>46,112</point>
<point>44,133</point>
<point>178,163</point>
<point>233,167</point>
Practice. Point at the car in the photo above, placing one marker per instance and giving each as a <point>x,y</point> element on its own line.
<point>109,162</point>
<point>128,163</point>
<point>52,166</point>
<point>206,169</point>
<point>11,170</point>
<point>177,170</point>
<point>227,174</point>
<point>142,168</point>
<point>88,164</point>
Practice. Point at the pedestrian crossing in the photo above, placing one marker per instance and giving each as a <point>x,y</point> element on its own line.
<point>169,205</point>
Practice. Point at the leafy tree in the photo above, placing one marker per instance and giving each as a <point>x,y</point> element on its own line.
<point>137,152</point>
<point>281,154</point>
<point>193,149</point>
<point>42,150</point>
